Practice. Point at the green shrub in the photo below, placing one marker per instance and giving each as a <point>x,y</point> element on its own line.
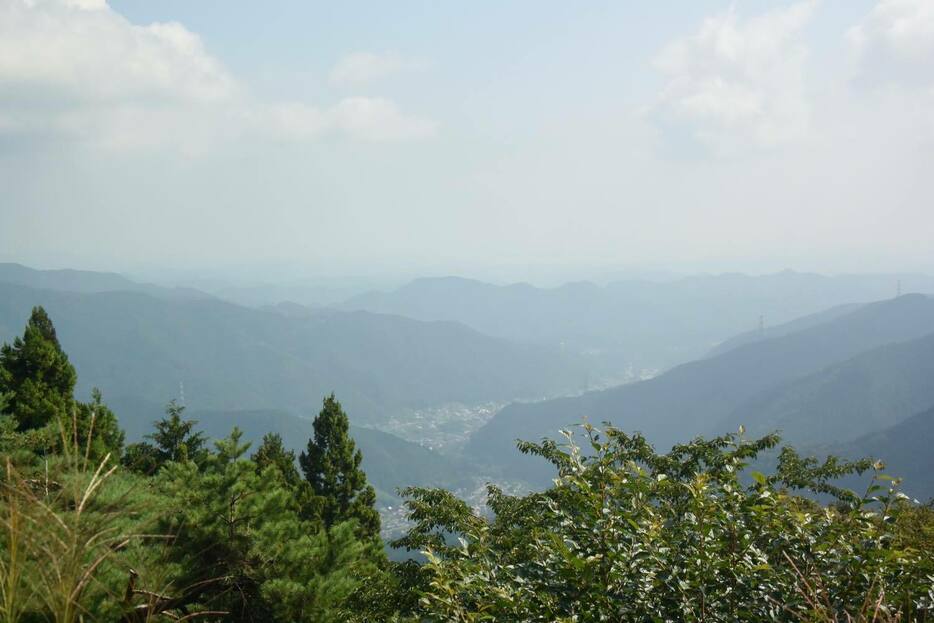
<point>627,534</point>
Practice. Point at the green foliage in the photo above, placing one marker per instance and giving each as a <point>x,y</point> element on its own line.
<point>626,534</point>
<point>239,536</point>
<point>213,535</point>
<point>331,466</point>
<point>175,440</point>
<point>36,376</point>
<point>272,455</point>
<point>142,458</point>
<point>70,531</point>
<point>97,424</point>
<point>272,452</point>
<point>40,414</point>
<point>84,541</point>
<point>29,445</point>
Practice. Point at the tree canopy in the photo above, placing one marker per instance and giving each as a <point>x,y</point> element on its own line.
<point>627,534</point>
<point>331,464</point>
<point>174,440</point>
<point>36,375</point>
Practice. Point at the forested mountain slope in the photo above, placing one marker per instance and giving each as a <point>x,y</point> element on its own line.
<point>787,328</point>
<point>906,449</point>
<point>138,349</point>
<point>695,397</point>
<point>870,392</point>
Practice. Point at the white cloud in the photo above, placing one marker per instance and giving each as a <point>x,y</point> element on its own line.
<point>361,68</point>
<point>79,70</point>
<point>295,121</point>
<point>895,42</point>
<point>87,5</point>
<point>378,119</point>
<point>83,51</point>
<point>894,51</point>
<point>363,118</point>
<point>739,82</point>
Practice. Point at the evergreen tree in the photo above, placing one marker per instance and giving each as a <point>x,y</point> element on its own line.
<point>142,458</point>
<point>272,452</point>
<point>36,375</point>
<point>96,428</point>
<point>174,438</point>
<point>332,467</point>
<point>241,542</point>
<point>174,441</point>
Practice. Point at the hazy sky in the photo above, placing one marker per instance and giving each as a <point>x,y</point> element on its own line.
<point>347,137</point>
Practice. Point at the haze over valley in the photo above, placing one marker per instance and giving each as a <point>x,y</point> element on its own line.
<point>461,369</point>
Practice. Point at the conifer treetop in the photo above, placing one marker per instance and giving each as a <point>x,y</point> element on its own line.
<point>331,465</point>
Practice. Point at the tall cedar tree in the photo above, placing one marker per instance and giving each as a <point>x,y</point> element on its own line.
<point>332,468</point>
<point>36,375</point>
<point>272,452</point>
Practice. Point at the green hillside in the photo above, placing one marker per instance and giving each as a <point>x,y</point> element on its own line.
<point>138,349</point>
<point>870,392</point>
<point>693,398</point>
<point>906,449</point>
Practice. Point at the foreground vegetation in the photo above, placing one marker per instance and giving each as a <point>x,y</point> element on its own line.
<point>175,528</point>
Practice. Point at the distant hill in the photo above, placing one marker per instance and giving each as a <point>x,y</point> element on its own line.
<point>138,349</point>
<point>693,398</point>
<point>310,292</point>
<point>787,328</point>
<point>870,392</point>
<point>647,324</point>
<point>906,450</point>
<point>68,280</point>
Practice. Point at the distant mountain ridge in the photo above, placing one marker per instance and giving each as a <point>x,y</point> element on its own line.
<point>85,281</point>
<point>699,397</point>
<point>138,349</point>
<point>648,324</point>
<point>65,279</point>
<point>793,326</point>
<point>856,374</point>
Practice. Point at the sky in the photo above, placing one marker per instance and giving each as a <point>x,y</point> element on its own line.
<point>333,138</point>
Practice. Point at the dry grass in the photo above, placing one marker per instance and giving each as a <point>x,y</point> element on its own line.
<point>56,537</point>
